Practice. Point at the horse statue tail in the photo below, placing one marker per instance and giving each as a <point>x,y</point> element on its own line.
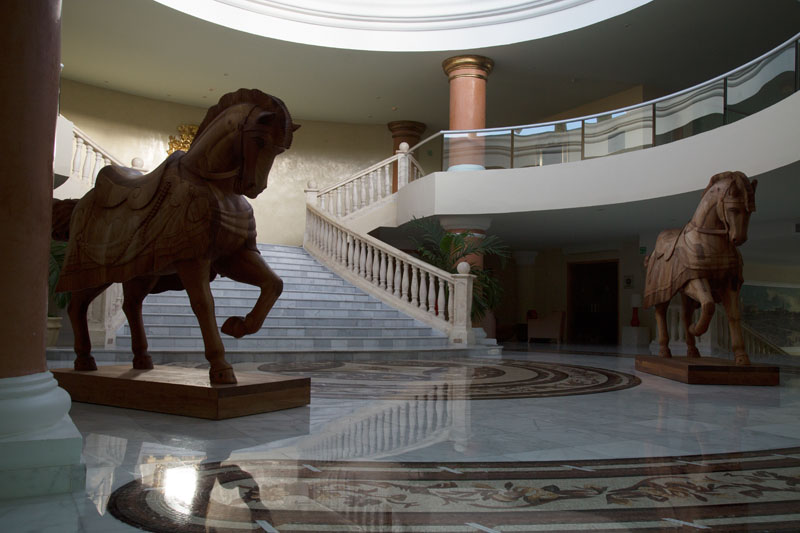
<point>62,214</point>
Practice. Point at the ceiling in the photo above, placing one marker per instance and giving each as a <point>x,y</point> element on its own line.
<point>144,48</point>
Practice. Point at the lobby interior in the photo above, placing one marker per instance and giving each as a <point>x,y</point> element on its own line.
<point>533,437</point>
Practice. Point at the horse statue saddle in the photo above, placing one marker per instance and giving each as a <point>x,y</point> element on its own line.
<point>115,185</point>
<point>666,244</point>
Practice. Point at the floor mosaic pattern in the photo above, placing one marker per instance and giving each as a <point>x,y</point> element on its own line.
<point>473,379</point>
<point>751,491</point>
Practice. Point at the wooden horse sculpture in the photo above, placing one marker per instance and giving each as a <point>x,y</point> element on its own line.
<point>177,227</point>
<point>701,261</point>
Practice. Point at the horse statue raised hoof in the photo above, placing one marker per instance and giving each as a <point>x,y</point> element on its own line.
<point>702,262</point>
<point>178,227</point>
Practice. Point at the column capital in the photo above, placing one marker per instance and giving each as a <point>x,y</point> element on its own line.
<point>475,66</point>
<point>406,128</point>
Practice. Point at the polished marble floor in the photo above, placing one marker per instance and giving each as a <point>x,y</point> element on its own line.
<point>657,418</point>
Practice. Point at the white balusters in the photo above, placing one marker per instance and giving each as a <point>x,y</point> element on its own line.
<point>389,273</point>
<point>423,290</point>
<point>376,266</point>
<point>440,300</point>
<point>415,287</point>
<point>383,271</point>
<point>397,278</point>
<point>431,295</point>
<point>404,287</point>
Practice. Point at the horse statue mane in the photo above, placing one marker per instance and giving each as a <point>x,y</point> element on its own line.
<point>701,261</point>
<point>178,226</point>
<point>248,96</point>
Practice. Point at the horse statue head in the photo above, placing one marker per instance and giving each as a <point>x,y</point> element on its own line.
<point>728,201</point>
<point>239,139</point>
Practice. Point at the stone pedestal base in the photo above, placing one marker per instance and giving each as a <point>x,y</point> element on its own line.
<point>185,391</point>
<point>43,462</point>
<point>708,370</point>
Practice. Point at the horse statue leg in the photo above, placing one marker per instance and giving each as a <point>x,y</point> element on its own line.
<point>730,299</point>
<point>135,291</point>
<point>688,305</point>
<point>247,266</point>
<point>194,276</point>
<point>78,306</point>
<point>700,291</point>
<point>663,332</point>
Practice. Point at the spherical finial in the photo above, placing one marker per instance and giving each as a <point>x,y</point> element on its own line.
<point>463,267</point>
<point>404,146</point>
<point>312,185</point>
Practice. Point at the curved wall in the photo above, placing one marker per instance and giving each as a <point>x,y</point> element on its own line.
<point>755,145</point>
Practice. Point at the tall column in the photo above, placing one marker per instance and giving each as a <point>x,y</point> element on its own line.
<point>39,446</point>
<point>467,76</point>
<point>407,131</point>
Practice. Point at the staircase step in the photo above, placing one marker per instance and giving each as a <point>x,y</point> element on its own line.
<point>188,319</point>
<point>299,343</point>
<point>318,312</point>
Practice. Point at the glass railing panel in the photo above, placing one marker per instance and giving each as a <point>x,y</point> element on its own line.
<point>690,113</point>
<point>549,144</point>
<point>760,85</point>
<point>475,151</point>
<point>497,149</point>
<point>429,155</point>
<point>618,132</point>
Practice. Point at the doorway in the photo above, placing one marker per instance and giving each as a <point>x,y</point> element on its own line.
<point>593,302</point>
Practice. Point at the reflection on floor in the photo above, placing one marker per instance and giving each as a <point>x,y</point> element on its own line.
<point>652,457</point>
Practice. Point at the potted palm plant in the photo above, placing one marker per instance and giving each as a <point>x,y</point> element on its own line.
<point>444,250</point>
<point>57,300</point>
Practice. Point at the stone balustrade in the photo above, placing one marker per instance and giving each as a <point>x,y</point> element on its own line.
<point>88,158</point>
<point>428,294</point>
<point>370,185</point>
<point>717,339</point>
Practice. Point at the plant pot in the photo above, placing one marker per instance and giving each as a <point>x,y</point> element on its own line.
<point>53,327</point>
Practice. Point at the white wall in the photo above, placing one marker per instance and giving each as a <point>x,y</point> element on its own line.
<point>128,126</point>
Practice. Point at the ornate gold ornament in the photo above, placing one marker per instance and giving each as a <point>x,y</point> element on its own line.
<point>187,131</point>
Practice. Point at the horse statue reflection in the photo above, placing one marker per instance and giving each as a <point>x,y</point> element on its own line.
<point>701,261</point>
<point>178,227</point>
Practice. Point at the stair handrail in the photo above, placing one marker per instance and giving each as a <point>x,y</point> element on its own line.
<point>88,157</point>
<point>370,185</point>
<point>757,344</point>
<point>431,295</point>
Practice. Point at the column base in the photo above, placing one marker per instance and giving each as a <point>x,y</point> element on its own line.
<point>42,462</point>
<point>40,447</point>
<point>465,167</point>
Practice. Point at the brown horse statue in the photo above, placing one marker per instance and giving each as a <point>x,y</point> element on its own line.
<point>178,227</point>
<point>701,261</point>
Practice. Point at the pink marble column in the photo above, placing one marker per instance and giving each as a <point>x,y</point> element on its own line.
<point>31,46</point>
<point>467,76</point>
<point>407,131</point>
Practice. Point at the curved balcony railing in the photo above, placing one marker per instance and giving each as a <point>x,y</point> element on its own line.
<point>722,100</point>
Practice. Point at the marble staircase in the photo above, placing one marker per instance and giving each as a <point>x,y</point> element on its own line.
<point>319,315</point>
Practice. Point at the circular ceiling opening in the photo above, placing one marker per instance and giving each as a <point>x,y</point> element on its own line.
<point>404,25</point>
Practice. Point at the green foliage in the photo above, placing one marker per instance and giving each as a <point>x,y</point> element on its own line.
<point>58,250</point>
<point>445,250</point>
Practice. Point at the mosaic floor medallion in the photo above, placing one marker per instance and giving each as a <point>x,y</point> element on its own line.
<point>474,379</point>
<point>750,491</point>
